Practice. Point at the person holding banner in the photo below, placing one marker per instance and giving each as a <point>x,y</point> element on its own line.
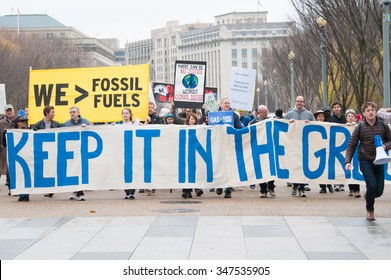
<point>266,187</point>
<point>364,135</point>
<point>350,115</point>
<point>186,193</point>
<point>20,123</point>
<point>127,119</point>
<point>225,106</point>
<point>152,118</point>
<point>322,116</point>
<point>299,113</point>
<point>46,123</point>
<point>8,122</point>
<point>76,120</point>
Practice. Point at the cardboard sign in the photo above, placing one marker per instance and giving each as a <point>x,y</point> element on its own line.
<point>189,86</point>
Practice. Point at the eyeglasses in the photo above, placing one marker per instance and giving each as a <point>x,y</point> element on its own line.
<point>71,112</point>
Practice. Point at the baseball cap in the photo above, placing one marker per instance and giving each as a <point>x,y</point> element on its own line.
<point>8,106</point>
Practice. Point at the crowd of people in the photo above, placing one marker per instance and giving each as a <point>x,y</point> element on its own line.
<point>372,123</point>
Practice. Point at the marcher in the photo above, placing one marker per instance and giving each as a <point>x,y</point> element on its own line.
<point>337,116</point>
<point>127,119</point>
<point>46,123</point>
<point>21,123</point>
<point>299,113</point>
<point>322,116</point>
<point>152,118</point>
<point>266,187</point>
<point>186,193</point>
<point>354,189</point>
<point>9,121</point>
<point>364,135</point>
<point>76,120</point>
<point>225,106</point>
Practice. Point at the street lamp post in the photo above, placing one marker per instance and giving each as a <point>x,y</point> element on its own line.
<point>386,54</point>
<point>258,91</point>
<point>275,89</point>
<point>322,24</point>
<point>291,57</point>
<point>265,84</point>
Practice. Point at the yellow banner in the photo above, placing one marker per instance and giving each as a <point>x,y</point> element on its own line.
<point>99,92</point>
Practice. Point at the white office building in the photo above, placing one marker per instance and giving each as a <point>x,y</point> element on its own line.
<point>235,39</point>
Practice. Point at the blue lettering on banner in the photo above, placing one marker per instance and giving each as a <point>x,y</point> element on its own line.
<point>147,135</point>
<point>238,138</point>
<point>182,156</point>
<point>14,158</point>
<point>39,156</point>
<point>63,156</point>
<point>206,155</point>
<point>257,150</point>
<point>87,155</point>
<point>335,152</point>
<point>128,156</point>
<point>321,154</point>
<point>278,149</point>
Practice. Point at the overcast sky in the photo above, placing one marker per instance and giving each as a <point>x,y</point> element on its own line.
<point>133,20</point>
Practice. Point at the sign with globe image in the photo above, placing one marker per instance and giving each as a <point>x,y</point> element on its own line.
<point>189,85</point>
<point>190,81</point>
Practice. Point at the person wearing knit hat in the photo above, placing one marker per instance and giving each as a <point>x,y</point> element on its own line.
<point>354,189</point>
<point>169,119</point>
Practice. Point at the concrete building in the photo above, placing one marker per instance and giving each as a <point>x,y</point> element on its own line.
<point>42,25</point>
<point>235,39</point>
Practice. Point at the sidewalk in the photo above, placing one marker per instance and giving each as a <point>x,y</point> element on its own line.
<point>165,226</point>
<point>195,238</point>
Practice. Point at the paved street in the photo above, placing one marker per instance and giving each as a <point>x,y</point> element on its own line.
<point>165,226</point>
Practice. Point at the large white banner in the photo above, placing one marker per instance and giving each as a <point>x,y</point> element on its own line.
<point>170,156</point>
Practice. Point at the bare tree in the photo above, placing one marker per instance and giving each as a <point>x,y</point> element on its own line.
<point>354,53</point>
<point>21,53</point>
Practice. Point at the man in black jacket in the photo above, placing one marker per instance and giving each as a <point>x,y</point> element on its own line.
<point>47,122</point>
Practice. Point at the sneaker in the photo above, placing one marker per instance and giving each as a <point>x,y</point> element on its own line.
<point>323,190</point>
<point>271,192</point>
<point>294,191</point>
<point>48,195</point>
<point>252,187</point>
<point>263,195</point>
<point>211,189</point>
<point>289,185</point>
<point>148,192</point>
<point>219,191</point>
<point>199,192</point>
<point>371,216</point>
<point>336,188</point>
<point>81,198</point>
<point>307,188</point>
<point>357,195</point>
<point>227,195</point>
<point>331,190</point>
<point>351,193</point>
<point>141,191</point>
<point>129,196</point>
<point>341,188</point>
<point>73,196</point>
<point>24,198</point>
<point>302,193</point>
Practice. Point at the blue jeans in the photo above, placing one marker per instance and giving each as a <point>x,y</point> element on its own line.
<point>374,179</point>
